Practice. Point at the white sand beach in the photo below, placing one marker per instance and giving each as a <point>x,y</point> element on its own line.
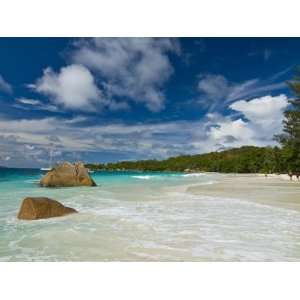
<point>274,190</point>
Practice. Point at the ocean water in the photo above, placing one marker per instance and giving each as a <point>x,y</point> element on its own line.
<point>143,216</point>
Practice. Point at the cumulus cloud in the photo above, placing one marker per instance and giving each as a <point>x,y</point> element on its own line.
<point>5,86</point>
<point>254,122</point>
<point>266,111</point>
<point>237,129</point>
<point>226,132</point>
<point>135,68</point>
<point>260,118</point>
<point>73,87</point>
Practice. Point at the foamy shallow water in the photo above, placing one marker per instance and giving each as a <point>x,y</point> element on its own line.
<point>145,217</point>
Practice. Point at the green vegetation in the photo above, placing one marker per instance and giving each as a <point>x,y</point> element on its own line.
<point>290,138</point>
<point>247,159</point>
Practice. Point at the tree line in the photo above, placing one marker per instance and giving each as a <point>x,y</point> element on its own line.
<point>246,159</point>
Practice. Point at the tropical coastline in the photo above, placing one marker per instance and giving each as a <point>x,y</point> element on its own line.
<point>155,216</point>
<point>216,183</point>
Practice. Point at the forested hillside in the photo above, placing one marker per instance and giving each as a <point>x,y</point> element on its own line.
<point>247,159</point>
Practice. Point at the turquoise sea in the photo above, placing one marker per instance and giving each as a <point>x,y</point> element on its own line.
<point>143,216</point>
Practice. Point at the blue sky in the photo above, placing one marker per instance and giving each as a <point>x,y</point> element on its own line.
<point>110,99</point>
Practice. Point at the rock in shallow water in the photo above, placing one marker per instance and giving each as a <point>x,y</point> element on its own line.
<point>34,208</point>
<point>67,175</point>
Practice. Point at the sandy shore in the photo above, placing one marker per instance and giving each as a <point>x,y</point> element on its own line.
<point>275,190</point>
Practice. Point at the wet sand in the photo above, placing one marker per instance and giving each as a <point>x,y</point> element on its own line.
<point>272,190</point>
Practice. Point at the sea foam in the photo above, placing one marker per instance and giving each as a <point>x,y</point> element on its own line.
<point>193,175</point>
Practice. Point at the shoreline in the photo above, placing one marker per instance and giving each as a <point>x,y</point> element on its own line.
<point>274,190</point>
<point>158,220</point>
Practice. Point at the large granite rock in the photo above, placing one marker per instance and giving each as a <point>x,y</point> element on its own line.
<point>34,208</point>
<point>67,174</point>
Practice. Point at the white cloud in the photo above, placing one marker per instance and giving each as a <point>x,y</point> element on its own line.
<point>29,141</point>
<point>243,89</point>
<point>266,112</point>
<point>238,129</point>
<point>214,86</point>
<point>216,91</point>
<point>33,104</point>
<point>73,87</point>
<point>5,86</point>
<point>135,68</point>
<point>253,87</point>
<point>28,101</point>
<point>226,132</point>
<point>217,87</point>
<point>260,119</point>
